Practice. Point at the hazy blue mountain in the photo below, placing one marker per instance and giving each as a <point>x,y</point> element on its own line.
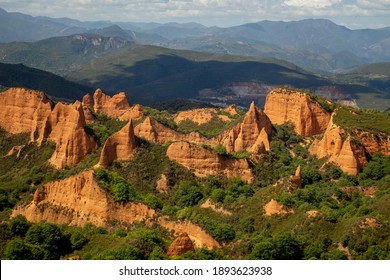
<point>20,27</point>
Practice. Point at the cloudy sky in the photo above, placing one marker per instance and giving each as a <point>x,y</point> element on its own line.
<point>352,13</point>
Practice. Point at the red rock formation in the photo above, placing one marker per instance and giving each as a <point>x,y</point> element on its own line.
<point>78,200</point>
<point>152,130</point>
<point>119,146</point>
<point>247,133</point>
<point>374,143</point>
<point>275,208</point>
<point>308,117</point>
<point>24,111</point>
<point>112,107</point>
<point>135,112</point>
<point>204,162</point>
<point>180,245</point>
<point>349,156</point>
<point>65,127</point>
<point>296,180</point>
<point>162,185</point>
<point>199,237</point>
<point>87,107</point>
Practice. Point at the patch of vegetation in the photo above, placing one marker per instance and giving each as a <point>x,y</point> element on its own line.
<point>120,189</point>
<point>103,127</point>
<point>362,119</point>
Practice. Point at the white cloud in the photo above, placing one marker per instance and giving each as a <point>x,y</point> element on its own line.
<point>316,4</point>
<point>209,12</point>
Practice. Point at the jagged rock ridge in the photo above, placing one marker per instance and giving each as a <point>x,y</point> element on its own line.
<point>119,146</point>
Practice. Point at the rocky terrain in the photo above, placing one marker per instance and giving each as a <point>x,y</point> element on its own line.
<point>107,164</point>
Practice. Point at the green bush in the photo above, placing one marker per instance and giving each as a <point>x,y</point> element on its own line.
<point>19,225</point>
<point>187,194</point>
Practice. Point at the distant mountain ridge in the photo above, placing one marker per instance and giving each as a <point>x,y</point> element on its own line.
<point>316,44</point>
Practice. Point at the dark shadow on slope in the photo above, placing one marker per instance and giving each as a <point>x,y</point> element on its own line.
<point>169,77</point>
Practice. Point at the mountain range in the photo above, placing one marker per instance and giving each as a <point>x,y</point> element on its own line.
<point>315,44</point>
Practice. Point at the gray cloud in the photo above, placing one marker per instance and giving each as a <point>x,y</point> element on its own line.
<point>373,13</point>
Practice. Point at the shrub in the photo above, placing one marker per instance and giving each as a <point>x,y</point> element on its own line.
<point>19,225</point>
<point>187,194</point>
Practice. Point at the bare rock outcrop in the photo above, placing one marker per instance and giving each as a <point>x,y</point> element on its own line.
<point>180,245</point>
<point>204,162</point>
<point>340,148</point>
<point>296,179</point>
<point>162,184</point>
<point>374,143</point>
<point>199,237</point>
<point>134,113</point>
<point>308,116</point>
<point>152,130</point>
<point>65,126</point>
<point>113,107</point>
<point>248,134</point>
<point>119,146</point>
<point>275,208</point>
<point>205,115</point>
<point>24,111</point>
<point>78,200</point>
<point>88,107</point>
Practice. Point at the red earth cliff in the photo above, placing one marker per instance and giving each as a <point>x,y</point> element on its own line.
<point>340,148</point>
<point>308,116</point>
<point>152,130</point>
<point>79,200</point>
<point>65,127</point>
<point>204,162</point>
<point>116,106</point>
<point>24,111</point>
<point>119,146</point>
<point>248,134</point>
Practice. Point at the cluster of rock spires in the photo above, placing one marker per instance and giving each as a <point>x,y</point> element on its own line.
<point>78,200</point>
<point>32,112</point>
<point>28,111</point>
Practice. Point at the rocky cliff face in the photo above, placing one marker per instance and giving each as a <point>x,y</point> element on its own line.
<point>79,200</point>
<point>308,117</point>
<point>110,106</point>
<point>199,237</point>
<point>87,107</point>
<point>116,106</point>
<point>248,134</point>
<point>340,148</point>
<point>374,143</point>
<point>204,162</point>
<point>24,111</point>
<point>119,146</point>
<point>152,130</point>
<point>31,111</point>
<point>65,126</point>
<point>205,115</point>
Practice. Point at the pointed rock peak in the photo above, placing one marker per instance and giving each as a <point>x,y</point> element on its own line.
<point>87,101</point>
<point>98,92</point>
<point>119,146</point>
<point>298,171</point>
<point>252,108</point>
<point>180,245</point>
